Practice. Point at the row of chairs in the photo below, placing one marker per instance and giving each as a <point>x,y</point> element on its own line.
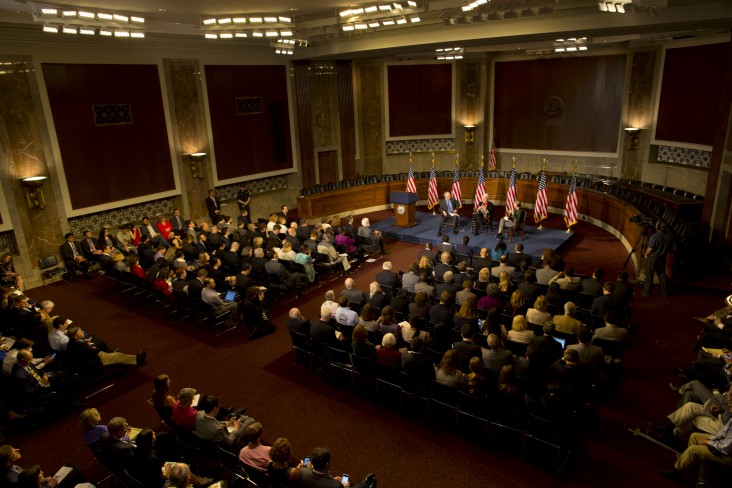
<point>499,424</point>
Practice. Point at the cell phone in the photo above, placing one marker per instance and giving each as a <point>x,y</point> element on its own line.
<point>306,461</point>
<point>728,356</point>
<point>344,479</point>
<point>53,356</point>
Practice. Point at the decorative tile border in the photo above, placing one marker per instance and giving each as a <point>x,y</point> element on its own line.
<point>684,156</point>
<point>135,213</point>
<point>420,146</point>
<point>261,185</point>
<point>124,215</point>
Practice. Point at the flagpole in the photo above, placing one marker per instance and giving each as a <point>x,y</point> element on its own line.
<point>574,172</point>
<point>433,170</point>
<point>543,167</point>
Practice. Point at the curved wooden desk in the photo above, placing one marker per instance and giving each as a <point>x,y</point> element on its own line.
<point>601,209</point>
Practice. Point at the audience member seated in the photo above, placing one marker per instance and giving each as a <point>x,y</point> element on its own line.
<point>442,312</point>
<point>116,452</point>
<point>502,266</point>
<point>483,259</point>
<point>529,289</point>
<point>279,470</point>
<point>593,285</point>
<point>567,279</point>
<point>588,354</point>
<point>519,332</point>
<point>420,307</point>
<point>400,302</point>
<point>317,474</point>
<point>344,315</point>
<point>255,318</point>
<point>297,322</point>
<point>491,299</point>
<point>466,348</point>
<point>360,344</point>
<point>184,414</point>
<point>8,275</point>
<point>567,324</point>
<point>373,235</point>
<point>467,315</point>
<point>410,278</point>
<point>368,319</point>
<point>495,357</point>
<point>423,286</point>
<point>554,296</point>
<point>466,293</point>
<point>228,433</point>
<point>377,298</point>
<point>416,364</point>
<point>387,322</point>
<point>611,331</point>
<point>73,256</point>
<point>425,265</point>
<point>36,388</point>
<point>386,276</point>
<point>162,400</point>
<point>94,431</point>
<point>539,313</point>
<point>255,454</point>
<point>91,356</point>
<point>608,302</point>
<point>505,285</point>
<point>355,296</point>
<point>443,266</point>
<point>475,381</point>
<point>448,371</point>
<point>387,353</point>
<point>326,248</point>
<point>715,448</point>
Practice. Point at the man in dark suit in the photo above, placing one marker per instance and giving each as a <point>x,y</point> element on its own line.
<point>386,277</point>
<point>151,231</point>
<point>518,255</point>
<point>623,289</point>
<point>528,287</point>
<point>36,387</point>
<point>593,285</point>
<point>495,357</point>
<point>415,364</point>
<point>608,302</point>
<point>283,213</point>
<point>377,298</point>
<point>544,350</point>
<point>291,280</point>
<point>463,247</point>
<point>179,223</point>
<point>442,312</point>
<point>349,228</point>
<point>116,452</point>
<point>73,255</point>
<point>466,349</point>
<point>90,246</point>
<point>292,238</point>
<point>514,218</point>
<point>449,210</point>
<point>106,260</point>
<point>297,322</point>
<point>92,358</point>
<point>214,206</point>
<point>196,285</point>
<point>443,266</point>
<point>322,330</point>
<point>448,285</point>
<point>427,251</point>
<point>355,296</point>
<point>304,230</point>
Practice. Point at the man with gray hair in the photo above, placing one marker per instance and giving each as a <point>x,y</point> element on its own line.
<point>495,357</point>
<point>387,277</point>
<point>448,285</point>
<point>116,451</point>
<point>374,235</point>
<point>355,296</point>
<point>566,323</point>
<point>411,278</point>
<point>297,322</point>
<point>329,303</point>
<point>326,248</point>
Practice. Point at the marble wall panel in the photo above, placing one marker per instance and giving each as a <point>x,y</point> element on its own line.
<point>372,119</point>
<point>324,104</point>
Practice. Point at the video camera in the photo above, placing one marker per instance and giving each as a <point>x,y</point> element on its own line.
<point>644,220</point>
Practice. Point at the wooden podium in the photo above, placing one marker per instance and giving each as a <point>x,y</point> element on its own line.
<point>404,208</point>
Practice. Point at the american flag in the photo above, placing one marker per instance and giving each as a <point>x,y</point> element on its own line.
<point>492,158</point>
<point>456,193</point>
<point>432,197</point>
<point>511,195</point>
<point>540,210</point>
<point>480,189</point>
<point>411,187</point>
<point>570,209</point>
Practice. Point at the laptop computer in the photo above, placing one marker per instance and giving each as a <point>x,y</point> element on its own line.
<point>230,296</point>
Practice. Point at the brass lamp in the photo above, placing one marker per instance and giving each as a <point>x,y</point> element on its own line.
<point>34,191</point>
<point>634,139</point>
<point>196,160</point>
<point>469,134</point>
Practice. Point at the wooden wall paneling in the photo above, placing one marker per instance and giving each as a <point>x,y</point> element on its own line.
<point>327,166</point>
<point>590,88</point>
<point>691,93</point>
<point>420,99</point>
<point>344,72</point>
<point>304,123</point>
<point>372,123</point>
<point>254,138</point>
<point>96,156</point>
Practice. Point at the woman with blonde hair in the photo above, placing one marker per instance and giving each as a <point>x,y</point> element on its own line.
<point>504,283</point>
<point>119,262</point>
<point>286,253</point>
<point>516,305</point>
<point>484,277</point>
<point>273,219</point>
<point>519,332</point>
<point>539,313</point>
<point>425,265</point>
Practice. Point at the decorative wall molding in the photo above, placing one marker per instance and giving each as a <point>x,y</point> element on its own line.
<point>119,114</point>
<point>684,156</point>
<point>123,215</point>
<point>420,146</point>
<point>261,185</point>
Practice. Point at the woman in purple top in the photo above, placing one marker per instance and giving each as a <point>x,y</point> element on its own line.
<point>94,431</point>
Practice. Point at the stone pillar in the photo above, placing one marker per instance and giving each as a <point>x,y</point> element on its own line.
<point>370,103</point>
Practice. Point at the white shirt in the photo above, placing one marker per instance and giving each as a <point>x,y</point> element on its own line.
<point>58,340</point>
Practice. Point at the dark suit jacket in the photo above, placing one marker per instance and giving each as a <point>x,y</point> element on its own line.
<point>213,205</point>
<point>243,282</point>
<point>117,453</point>
<point>379,300</point>
<point>25,383</point>
<point>451,287</point>
<point>387,277</point>
<point>480,263</point>
<point>67,253</point>
<point>86,355</point>
<point>418,366</point>
<point>441,269</point>
<point>354,295</point>
<point>322,331</point>
<point>87,248</point>
<point>195,287</point>
<point>455,205</point>
<point>495,359</point>
<point>466,350</point>
<point>178,226</point>
<point>425,252</point>
<point>607,303</point>
<point>441,313</point>
<point>529,290</point>
<point>515,258</point>
<point>592,286</point>
<point>299,325</point>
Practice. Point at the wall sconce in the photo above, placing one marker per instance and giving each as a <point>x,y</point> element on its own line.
<point>634,139</point>
<point>196,160</point>
<point>34,191</point>
<point>469,134</point>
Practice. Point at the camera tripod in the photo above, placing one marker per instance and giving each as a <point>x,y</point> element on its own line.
<point>640,246</point>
